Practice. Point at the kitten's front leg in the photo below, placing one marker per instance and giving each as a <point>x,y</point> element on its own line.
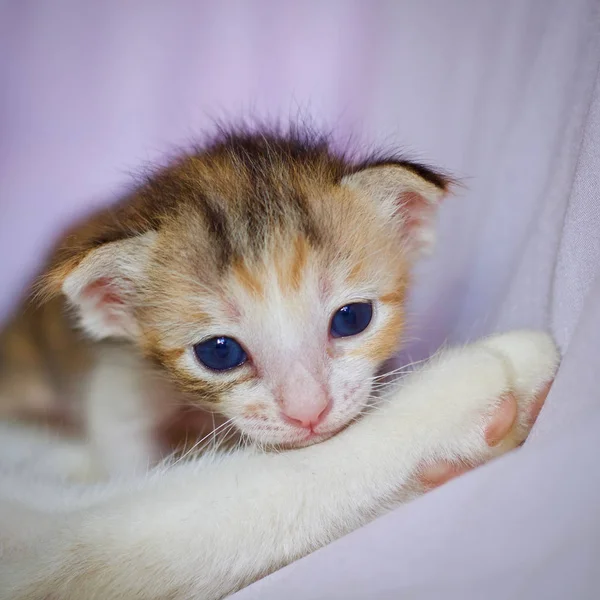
<point>122,414</point>
<point>189,534</point>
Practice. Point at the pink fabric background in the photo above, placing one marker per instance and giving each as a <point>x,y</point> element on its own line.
<point>500,93</point>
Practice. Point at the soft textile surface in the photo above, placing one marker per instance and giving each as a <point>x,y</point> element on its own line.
<point>504,94</point>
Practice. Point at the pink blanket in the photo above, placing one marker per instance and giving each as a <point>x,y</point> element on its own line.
<point>504,94</point>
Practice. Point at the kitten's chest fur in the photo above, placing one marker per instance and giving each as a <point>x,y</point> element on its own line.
<point>49,372</point>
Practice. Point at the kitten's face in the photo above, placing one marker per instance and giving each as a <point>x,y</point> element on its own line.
<point>266,276</point>
<point>286,342</point>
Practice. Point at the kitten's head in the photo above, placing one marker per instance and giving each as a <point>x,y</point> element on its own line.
<point>264,273</point>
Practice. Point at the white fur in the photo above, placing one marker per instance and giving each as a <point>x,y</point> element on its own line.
<point>208,527</point>
<point>124,405</point>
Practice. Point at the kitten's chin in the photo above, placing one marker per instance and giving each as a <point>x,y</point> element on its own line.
<point>287,437</point>
<point>308,439</point>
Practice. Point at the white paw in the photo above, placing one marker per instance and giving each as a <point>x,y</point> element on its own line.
<point>531,359</point>
<point>494,389</point>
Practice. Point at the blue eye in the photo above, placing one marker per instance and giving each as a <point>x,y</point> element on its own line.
<point>351,319</point>
<point>220,353</point>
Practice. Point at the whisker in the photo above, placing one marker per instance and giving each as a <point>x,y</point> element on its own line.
<point>194,448</point>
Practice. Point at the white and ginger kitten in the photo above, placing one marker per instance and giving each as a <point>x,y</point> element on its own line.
<point>262,278</point>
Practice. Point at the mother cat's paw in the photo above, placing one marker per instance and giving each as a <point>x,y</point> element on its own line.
<point>499,427</point>
<point>530,359</point>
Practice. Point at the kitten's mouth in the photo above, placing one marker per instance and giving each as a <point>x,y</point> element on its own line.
<point>314,438</point>
<point>311,437</point>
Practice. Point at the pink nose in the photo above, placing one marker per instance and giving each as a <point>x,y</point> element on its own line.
<point>306,418</point>
<point>304,402</point>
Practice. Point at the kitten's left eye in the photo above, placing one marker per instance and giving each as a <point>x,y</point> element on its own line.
<point>351,319</point>
<point>220,353</point>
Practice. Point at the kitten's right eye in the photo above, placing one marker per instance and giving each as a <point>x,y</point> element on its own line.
<point>351,319</point>
<point>220,354</point>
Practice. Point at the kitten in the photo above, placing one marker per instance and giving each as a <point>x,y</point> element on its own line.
<point>265,276</point>
<point>262,277</point>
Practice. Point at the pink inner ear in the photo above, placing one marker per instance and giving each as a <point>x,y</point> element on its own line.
<point>418,219</point>
<point>103,291</point>
<point>105,301</point>
<point>416,209</point>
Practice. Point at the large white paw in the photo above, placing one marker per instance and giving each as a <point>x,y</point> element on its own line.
<point>491,409</point>
<point>531,359</point>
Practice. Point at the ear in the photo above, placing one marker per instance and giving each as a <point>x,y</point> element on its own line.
<point>104,286</point>
<point>409,194</point>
